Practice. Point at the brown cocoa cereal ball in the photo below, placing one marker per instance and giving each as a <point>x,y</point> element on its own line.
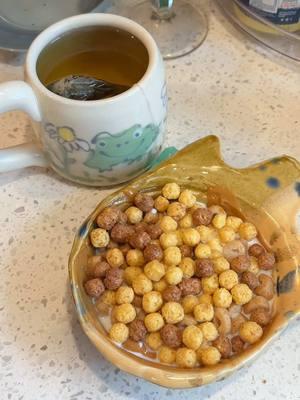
<point>124,248</point>
<point>171,293</point>
<point>94,287</point>
<point>261,316</point>
<point>171,335</point>
<point>266,261</point>
<point>100,269</point>
<point>256,250</point>
<point>186,251</point>
<point>140,241</point>
<point>154,231</point>
<point>153,252</point>
<point>113,278</point>
<point>202,216</point>
<point>121,233</point>
<point>204,267</point>
<point>108,218</point>
<point>122,218</point>
<point>112,245</point>
<point>223,344</point>
<point>137,330</point>
<point>237,344</point>
<point>240,264</point>
<point>250,279</point>
<point>137,301</point>
<point>190,286</point>
<point>151,217</point>
<point>140,227</point>
<point>144,202</point>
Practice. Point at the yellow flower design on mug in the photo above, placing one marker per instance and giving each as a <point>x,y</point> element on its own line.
<point>66,136</point>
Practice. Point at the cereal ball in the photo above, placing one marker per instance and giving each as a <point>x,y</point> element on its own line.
<point>100,269</point>
<point>108,298</point>
<point>216,245</point>
<point>203,312</point>
<point>261,316</point>
<point>186,221</point>
<point>166,355</point>
<point>108,218</point>
<point>172,255</point>
<point>173,275</point>
<point>190,286</point>
<point>160,286</point>
<point>187,198</point>
<point>154,340</point>
<point>256,250</point>
<point>135,258</point>
<point>153,252</point>
<point>210,284</point>
<point>172,312</point>
<point>130,273</point>
<point>237,344</point>
<point>192,337</point>
<point>176,210</point>
<point>121,233</point>
<point>125,313</point>
<point>204,268</point>
<point>186,358</point>
<point>154,270</point>
<point>186,251</point>
<point>99,237</point>
<point>219,221</point>
<point>187,265</point>
<point>266,261</point>
<point>169,239</point>
<point>154,231</point>
<point>152,301</point>
<point>91,263</point>
<point>254,268</point>
<point>151,217</point>
<point>202,251</point>
<point>171,335</point>
<point>143,201</point>
<point>220,264</point>
<point>209,331</point>
<point>171,293</point>
<point>250,332</point>
<point>250,279</point>
<point>115,258</point>
<point>190,236</point>
<point>202,216</point>
<point>207,233</point>
<point>266,287</point>
<point>222,298</point>
<point>171,191</point>
<point>141,284</point>
<point>223,344</point>
<point>168,224</point>
<point>241,293</point>
<point>94,287</point>
<point>189,302</point>
<point>226,234</point>
<point>247,231</point>
<point>228,279</point>
<point>113,278</point>
<point>137,330</point>
<point>205,298</point>
<point>179,238</point>
<point>217,209</point>
<point>134,215</point>
<point>209,355</point>
<point>233,223</point>
<point>236,322</point>
<point>119,332</point>
<point>139,240</point>
<point>161,203</point>
<point>154,322</point>
<point>124,294</point>
<point>240,264</point>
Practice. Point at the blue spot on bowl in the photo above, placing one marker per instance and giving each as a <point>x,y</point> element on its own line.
<point>297,188</point>
<point>82,230</point>
<point>273,182</point>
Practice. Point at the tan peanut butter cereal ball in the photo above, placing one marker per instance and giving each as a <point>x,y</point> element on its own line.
<point>154,322</point>
<point>187,265</point>
<point>210,284</point>
<point>250,332</point>
<point>247,231</point>
<point>207,233</point>
<point>189,302</point>
<point>135,258</point>
<point>228,279</point>
<point>141,284</point>
<point>172,255</point>
<point>154,270</point>
<point>161,203</point>
<point>152,301</point>
<point>99,237</point>
<point>176,210</point>
<point>233,223</point>
<point>222,298</point>
<point>220,265</point>
<point>186,221</point>
<point>171,191</point>
<point>119,332</point>
<point>192,337</point>
<point>108,298</point>
<point>134,215</point>
<point>187,198</point>
<point>205,298</point>
<point>215,244</point>
<point>154,341</point>
<point>169,239</point>
<point>166,355</point>
<point>130,273</point>
<point>190,236</point>
<point>172,312</point>
<point>186,358</point>
<point>241,293</point>
<point>226,234</point>
<point>125,313</point>
<point>203,251</point>
<point>217,209</point>
<point>168,224</point>
<point>115,258</point>
<point>219,221</point>
<point>124,294</point>
<point>173,275</point>
<point>203,312</point>
<point>209,331</point>
<point>160,286</point>
<point>209,355</point>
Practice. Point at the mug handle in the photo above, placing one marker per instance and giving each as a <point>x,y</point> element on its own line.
<point>18,95</point>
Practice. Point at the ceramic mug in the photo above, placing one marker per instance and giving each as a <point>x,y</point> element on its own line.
<point>101,142</point>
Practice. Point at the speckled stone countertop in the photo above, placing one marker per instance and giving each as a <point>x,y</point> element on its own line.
<point>231,87</point>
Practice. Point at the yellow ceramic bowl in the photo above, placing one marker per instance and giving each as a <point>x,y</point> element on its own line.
<point>267,194</point>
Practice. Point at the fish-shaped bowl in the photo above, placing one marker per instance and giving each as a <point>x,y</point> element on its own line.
<point>267,194</point>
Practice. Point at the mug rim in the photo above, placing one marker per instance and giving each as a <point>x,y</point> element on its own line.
<point>81,21</point>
